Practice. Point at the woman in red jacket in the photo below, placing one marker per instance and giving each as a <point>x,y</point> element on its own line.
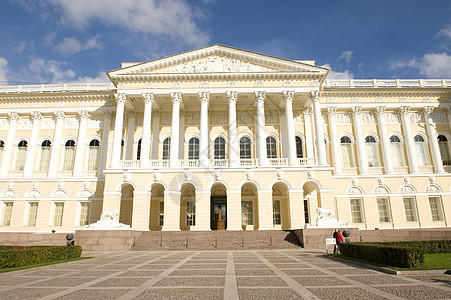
<point>339,239</point>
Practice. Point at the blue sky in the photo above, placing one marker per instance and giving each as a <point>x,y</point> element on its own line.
<point>50,41</point>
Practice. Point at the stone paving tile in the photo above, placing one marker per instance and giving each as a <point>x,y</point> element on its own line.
<point>439,279</point>
<point>183,294</point>
<point>254,272</point>
<point>344,293</point>
<point>7,281</point>
<point>198,273</point>
<point>379,279</point>
<point>95,294</point>
<point>250,266</point>
<point>291,266</point>
<point>89,274</point>
<point>62,282</point>
<point>45,272</point>
<point>154,267</point>
<point>203,266</point>
<point>416,292</point>
<point>352,271</point>
<point>260,281</point>
<point>27,293</point>
<point>273,293</point>
<point>149,274</point>
<point>294,272</point>
<point>114,267</point>
<point>320,281</point>
<point>191,281</point>
<point>208,261</point>
<point>121,282</point>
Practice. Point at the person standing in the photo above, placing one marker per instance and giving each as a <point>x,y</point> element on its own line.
<point>339,239</point>
<point>335,237</point>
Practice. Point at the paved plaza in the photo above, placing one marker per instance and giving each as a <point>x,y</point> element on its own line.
<point>247,274</point>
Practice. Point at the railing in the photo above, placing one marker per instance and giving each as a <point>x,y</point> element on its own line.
<point>65,174</point>
<point>351,171</point>
<point>89,173</point>
<point>426,169</point>
<point>129,163</point>
<point>308,161</point>
<point>40,174</point>
<point>156,163</point>
<point>375,170</point>
<point>278,161</point>
<point>16,174</point>
<point>401,170</point>
<point>388,83</point>
<point>41,88</point>
<point>189,163</point>
<point>251,162</point>
<point>219,163</point>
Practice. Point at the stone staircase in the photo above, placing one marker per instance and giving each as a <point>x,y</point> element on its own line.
<point>216,240</point>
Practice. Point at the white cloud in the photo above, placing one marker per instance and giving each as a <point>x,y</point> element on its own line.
<point>42,70</point>
<point>3,71</point>
<point>338,75</point>
<point>100,77</point>
<point>72,45</point>
<point>431,65</point>
<point>172,18</point>
<point>346,55</point>
<point>446,32</point>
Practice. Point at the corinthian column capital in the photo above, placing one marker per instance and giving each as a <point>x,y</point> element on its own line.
<point>288,95</point>
<point>176,97</point>
<point>204,97</point>
<point>148,98</point>
<point>232,96</point>
<point>315,95</point>
<point>120,98</point>
<point>13,116</point>
<point>331,110</point>
<point>260,96</point>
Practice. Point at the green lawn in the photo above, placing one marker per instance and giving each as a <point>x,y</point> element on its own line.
<point>40,265</point>
<point>439,261</point>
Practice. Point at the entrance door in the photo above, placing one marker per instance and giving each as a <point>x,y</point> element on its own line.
<point>218,213</point>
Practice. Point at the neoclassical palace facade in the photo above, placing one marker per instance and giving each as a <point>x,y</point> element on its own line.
<point>221,138</point>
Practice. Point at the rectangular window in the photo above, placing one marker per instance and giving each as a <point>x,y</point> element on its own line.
<point>32,213</point>
<point>58,209</point>
<point>383,209</point>
<point>161,213</point>
<point>7,210</point>
<point>436,208</point>
<point>247,212</point>
<point>276,220</point>
<point>84,213</point>
<point>190,213</point>
<point>410,209</point>
<point>356,211</point>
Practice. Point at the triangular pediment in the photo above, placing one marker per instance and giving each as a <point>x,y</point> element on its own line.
<point>217,59</point>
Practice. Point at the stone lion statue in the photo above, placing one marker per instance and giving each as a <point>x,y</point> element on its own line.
<point>322,213</point>
<point>110,215</point>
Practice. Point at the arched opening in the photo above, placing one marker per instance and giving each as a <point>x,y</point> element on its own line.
<point>280,206</point>
<point>156,207</point>
<point>249,206</point>
<point>126,210</point>
<point>218,207</point>
<point>187,207</point>
<point>312,200</point>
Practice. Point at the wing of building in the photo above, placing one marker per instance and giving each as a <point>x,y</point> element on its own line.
<point>222,138</point>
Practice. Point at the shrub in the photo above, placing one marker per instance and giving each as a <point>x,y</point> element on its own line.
<point>16,256</point>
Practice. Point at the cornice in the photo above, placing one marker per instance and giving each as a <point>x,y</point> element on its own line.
<point>42,97</point>
<point>378,92</point>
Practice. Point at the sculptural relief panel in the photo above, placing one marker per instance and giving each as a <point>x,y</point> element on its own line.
<point>392,118</point>
<point>343,118</point>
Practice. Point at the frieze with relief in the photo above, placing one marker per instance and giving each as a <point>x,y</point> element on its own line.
<point>24,123</point>
<point>368,118</point>
<point>392,118</point>
<point>271,117</point>
<point>165,119</point>
<point>343,119</point>
<point>217,64</point>
<point>71,123</point>
<point>95,122</point>
<point>297,117</point>
<point>192,118</point>
<point>244,118</point>
<point>4,124</point>
<point>139,119</point>
<point>439,118</point>
<point>218,118</point>
<point>416,118</point>
<point>48,123</point>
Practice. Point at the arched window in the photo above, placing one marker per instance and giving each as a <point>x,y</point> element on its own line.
<point>94,153</point>
<point>21,154</point>
<point>372,151</point>
<point>193,148</point>
<point>138,150</point>
<point>421,150</point>
<point>46,147</point>
<point>271,147</point>
<point>245,148</point>
<point>397,155</point>
<point>219,148</point>
<point>299,150</point>
<point>347,154</point>
<point>69,156</point>
<point>444,149</point>
<point>166,148</point>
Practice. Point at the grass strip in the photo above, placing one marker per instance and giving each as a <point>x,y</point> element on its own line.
<point>41,265</point>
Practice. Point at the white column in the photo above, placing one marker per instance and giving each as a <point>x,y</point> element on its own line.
<point>7,154</point>
<point>448,113</point>
<point>155,134</point>
<point>380,113</point>
<point>145,143</point>
<point>79,151</point>
<point>288,99</point>
<point>261,130</point>
<point>319,131</point>
<point>309,136</point>
<point>233,136</point>
<point>360,143</point>
<point>182,134</point>
<point>130,135</point>
<point>433,142</point>
<point>31,152</point>
<point>118,124</point>
<point>55,151</point>
<point>105,141</point>
<point>204,98</point>
<point>175,126</point>
<point>336,155</point>
<point>408,139</point>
